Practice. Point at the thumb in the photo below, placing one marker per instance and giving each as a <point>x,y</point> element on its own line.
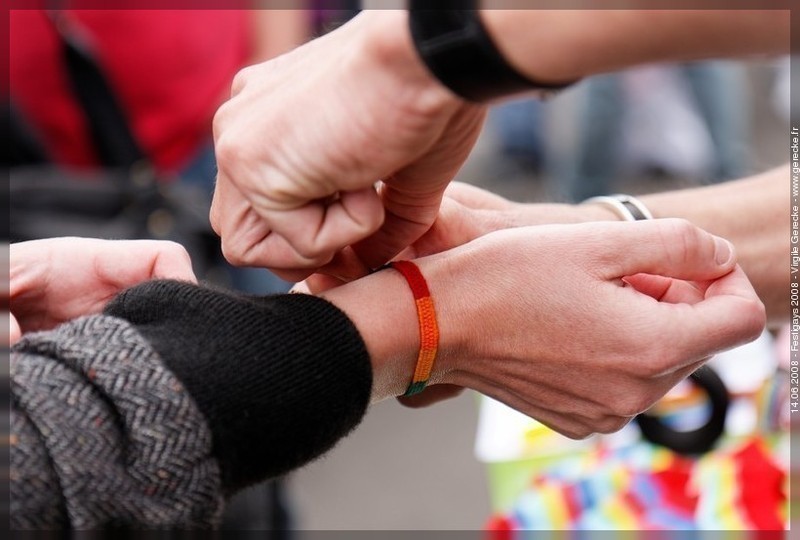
<point>664,247</point>
<point>407,219</point>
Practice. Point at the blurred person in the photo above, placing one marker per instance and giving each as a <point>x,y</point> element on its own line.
<point>716,110</point>
<point>169,72</point>
<point>206,391</point>
<point>519,128</point>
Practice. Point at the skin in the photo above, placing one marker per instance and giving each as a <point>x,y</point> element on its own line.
<point>277,31</point>
<point>299,200</point>
<point>627,327</point>
<point>631,309</point>
<point>750,212</point>
<point>747,212</point>
<point>631,326</point>
<point>55,280</point>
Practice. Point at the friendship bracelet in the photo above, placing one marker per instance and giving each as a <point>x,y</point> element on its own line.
<point>627,207</point>
<point>428,329</point>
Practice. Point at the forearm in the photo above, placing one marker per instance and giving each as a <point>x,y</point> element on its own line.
<point>277,31</point>
<point>565,45</point>
<point>382,307</point>
<point>558,46</point>
<point>753,213</point>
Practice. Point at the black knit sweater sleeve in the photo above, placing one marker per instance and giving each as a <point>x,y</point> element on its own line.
<point>151,420</point>
<point>279,378</point>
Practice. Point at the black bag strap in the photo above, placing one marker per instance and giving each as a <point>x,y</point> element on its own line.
<point>114,142</point>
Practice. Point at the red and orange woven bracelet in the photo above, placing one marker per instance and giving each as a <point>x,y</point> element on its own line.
<point>428,329</point>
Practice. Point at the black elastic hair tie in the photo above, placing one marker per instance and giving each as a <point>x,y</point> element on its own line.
<point>456,47</point>
<point>696,441</point>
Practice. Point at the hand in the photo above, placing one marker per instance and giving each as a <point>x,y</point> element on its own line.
<point>588,325</point>
<point>305,137</point>
<point>579,326</point>
<point>469,212</point>
<point>58,279</point>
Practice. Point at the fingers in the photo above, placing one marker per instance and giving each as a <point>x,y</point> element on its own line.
<point>732,309</point>
<point>318,230</point>
<point>172,261</point>
<point>292,242</point>
<point>317,284</point>
<point>408,217</point>
<point>665,289</point>
<point>346,266</point>
<point>14,331</point>
<point>666,247</point>
<point>476,198</point>
<point>122,263</point>
<point>729,315</point>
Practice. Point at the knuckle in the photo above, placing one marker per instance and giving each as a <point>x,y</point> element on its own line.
<point>577,433</point>
<point>215,220</point>
<point>228,152</point>
<point>755,317</point>
<point>685,235</point>
<point>314,252</point>
<point>241,79</point>
<point>234,254</point>
<point>176,250</point>
<point>612,424</point>
<point>679,227</point>
<point>218,121</point>
<point>630,405</point>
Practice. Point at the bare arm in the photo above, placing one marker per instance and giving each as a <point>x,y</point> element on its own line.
<point>753,213</point>
<point>277,31</point>
<point>564,45</point>
<point>294,199</point>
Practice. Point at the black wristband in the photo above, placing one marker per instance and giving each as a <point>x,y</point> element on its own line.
<point>456,47</point>
<point>700,440</point>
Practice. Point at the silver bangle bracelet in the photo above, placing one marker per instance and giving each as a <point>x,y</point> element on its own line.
<point>625,206</point>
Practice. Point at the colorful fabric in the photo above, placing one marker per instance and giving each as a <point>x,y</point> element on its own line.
<point>645,487</point>
<point>170,69</point>
<point>428,329</point>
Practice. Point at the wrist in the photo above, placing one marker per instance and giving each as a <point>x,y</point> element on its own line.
<point>382,309</point>
<point>390,50</point>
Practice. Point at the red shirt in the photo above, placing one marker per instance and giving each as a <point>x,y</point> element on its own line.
<point>169,69</point>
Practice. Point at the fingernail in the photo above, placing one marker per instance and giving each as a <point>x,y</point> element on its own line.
<point>723,251</point>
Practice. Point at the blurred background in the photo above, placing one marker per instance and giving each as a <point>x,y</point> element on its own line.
<point>649,129</point>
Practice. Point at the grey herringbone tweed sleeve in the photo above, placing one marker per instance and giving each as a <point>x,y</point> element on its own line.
<point>103,434</point>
